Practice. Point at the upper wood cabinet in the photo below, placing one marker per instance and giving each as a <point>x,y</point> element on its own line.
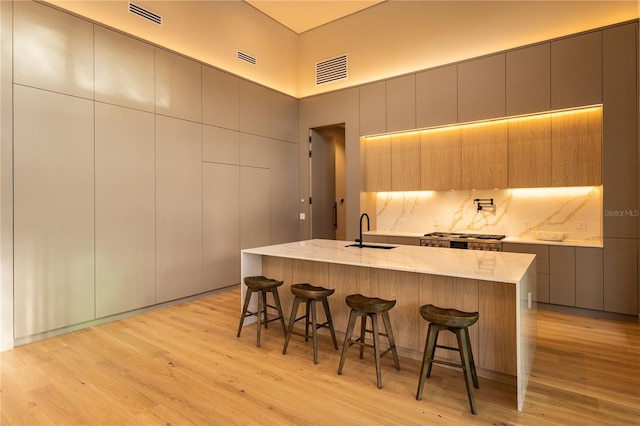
<point>440,159</point>
<point>405,162</point>
<point>576,71</point>
<point>437,96</point>
<point>481,88</point>
<point>377,163</point>
<point>484,155</point>
<point>528,80</point>
<point>576,148</point>
<point>530,152</point>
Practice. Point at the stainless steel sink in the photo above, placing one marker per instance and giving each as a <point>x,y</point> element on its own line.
<point>375,246</point>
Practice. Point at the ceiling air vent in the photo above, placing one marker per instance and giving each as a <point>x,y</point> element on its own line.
<point>247,58</point>
<point>144,13</point>
<point>331,70</point>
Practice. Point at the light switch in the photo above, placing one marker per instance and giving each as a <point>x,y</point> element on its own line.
<point>302,216</point>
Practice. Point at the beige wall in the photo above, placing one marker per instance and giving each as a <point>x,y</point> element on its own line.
<point>389,39</point>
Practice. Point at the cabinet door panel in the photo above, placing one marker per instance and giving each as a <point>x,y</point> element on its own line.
<point>178,82</point>
<point>576,71</point>
<point>178,209</point>
<point>61,63</point>
<point>401,103</point>
<point>405,162</point>
<point>377,160</point>
<point>528,80</point>
<point>255,211</point>
<point>621,275</point>
<point>284,192</point>
<point>437,96</point>
<point>283,113</point>
<point>589,278</point>
<point>441,160</point>
<point>220,225</point>
<point>220,99</point>
<point>373,111</point>
<point>576,149</point>
<point>124,70</point>
<point>620,135</point>
<point>484,155</point>
<point>530,152</point>
<point>481,88</point>
<point>220,145</point>
<point>254,109</point>
<point>562,275</point>
<point>53,211</point>
<point>125,210</point>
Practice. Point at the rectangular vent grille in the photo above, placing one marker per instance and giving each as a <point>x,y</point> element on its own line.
<point>247,58</point>
<point>331,70</point>
<point>144,13</point>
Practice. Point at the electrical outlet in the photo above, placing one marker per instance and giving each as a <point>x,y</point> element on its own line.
<point>581,226</point>
<point>436,222</point>
<point>527,225</point>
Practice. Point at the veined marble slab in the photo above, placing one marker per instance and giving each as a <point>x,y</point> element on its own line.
<point>473,264</point>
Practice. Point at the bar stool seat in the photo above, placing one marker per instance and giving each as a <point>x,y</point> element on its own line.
<point>364,307</point>
<point>456,322</point>
<point>310,295</point>
<point>261,285</point>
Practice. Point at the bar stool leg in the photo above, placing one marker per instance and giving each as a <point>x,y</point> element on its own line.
<point>392,342</point>
<point>276,298</point>
<point>261,309</point>
<point>427,358</point>
<point>363,331</point>
<point>245,307</point>
<point>466,367</point>
<point>352,322</point>
<point>376,348</point>
<point>314,330</point>
<point>474,375</point>
<point>327,313</point>
<point>432,354</point>
<point>292,321</point>
<point>306,320</point>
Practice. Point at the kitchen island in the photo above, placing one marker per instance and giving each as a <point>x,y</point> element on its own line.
<point>500,286</point>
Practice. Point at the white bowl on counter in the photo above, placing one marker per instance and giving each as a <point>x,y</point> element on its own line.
<point>551,236</point>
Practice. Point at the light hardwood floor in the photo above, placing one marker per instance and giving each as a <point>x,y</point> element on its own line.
<point>184,365</point>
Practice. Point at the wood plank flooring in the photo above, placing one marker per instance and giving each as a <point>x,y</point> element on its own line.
<point>185,365</point>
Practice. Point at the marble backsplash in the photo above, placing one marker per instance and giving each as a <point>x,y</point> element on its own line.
<point>517,212</point>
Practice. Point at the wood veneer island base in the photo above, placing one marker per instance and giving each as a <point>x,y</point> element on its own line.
<point>499,286</point>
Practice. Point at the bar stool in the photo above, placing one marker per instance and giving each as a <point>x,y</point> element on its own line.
<point>310,295</point>
<point>369,307</point>
<point>262,285</point>
<point>456,322</point>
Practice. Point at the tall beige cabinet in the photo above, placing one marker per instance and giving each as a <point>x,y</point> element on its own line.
<point>139,174</point>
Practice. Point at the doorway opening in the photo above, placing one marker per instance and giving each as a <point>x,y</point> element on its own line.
<point>327,183</point>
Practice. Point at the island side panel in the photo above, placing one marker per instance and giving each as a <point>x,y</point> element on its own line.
<point>527,329</point>
<point>497,327</point>
<point>449,292</point>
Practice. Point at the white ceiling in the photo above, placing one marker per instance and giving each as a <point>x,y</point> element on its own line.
<point>303,15</point>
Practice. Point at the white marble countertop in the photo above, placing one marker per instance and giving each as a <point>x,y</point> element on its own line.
<point>519,240</point>
<point>473,264</point>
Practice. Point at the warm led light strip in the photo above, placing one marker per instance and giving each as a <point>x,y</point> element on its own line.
<point>582,109</point>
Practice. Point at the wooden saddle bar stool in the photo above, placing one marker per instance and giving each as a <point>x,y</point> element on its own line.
<point>261,285</point>
<point>310,295</point>
<point>457,322</point>
<point>369,307</point>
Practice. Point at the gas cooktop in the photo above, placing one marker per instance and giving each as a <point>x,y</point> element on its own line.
<point>459,235</point>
